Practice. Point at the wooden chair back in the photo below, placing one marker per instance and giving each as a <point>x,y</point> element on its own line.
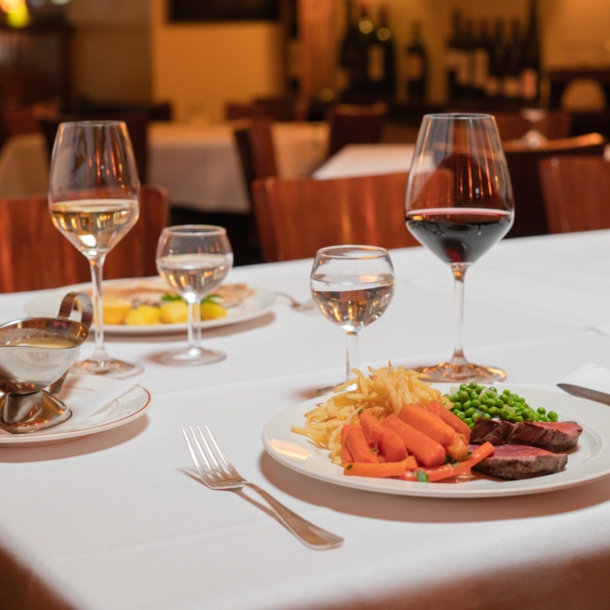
<point>34,255</point>
<point>575,191</point>
<point>530,213</point>
<point>137,126</point>
<point>304,214</point>
<point>513,125</point>
<point>281,109</point>
<point>355,124</point>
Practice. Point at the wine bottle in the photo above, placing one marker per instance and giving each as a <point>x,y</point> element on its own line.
<point>417,64</point>
<point>366,61</point>
<point>384,63</point>
<point>347,73</point>
<point>493,87</point>
<point>530,63</point>
<point>481,59</point>
<point>464,74</point>
<point>511,86</point>
<point>452,56</point>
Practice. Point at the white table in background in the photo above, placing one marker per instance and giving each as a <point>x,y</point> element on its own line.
<point>367,160</point>
<point>201,169</point>
<point>119,520</point>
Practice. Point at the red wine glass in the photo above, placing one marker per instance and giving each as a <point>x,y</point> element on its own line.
<point>459,204</point>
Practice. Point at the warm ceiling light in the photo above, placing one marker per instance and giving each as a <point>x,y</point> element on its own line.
<point>11,5</point>
<point>18,17</point>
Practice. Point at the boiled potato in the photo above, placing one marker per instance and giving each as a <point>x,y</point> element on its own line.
<point>211,311</point>
<point>174,312</point>
<point>144,315</point>
<point>115,309</point>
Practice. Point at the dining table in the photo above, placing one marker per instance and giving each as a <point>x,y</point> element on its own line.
<point>118,518</point>
<point>197,163</point>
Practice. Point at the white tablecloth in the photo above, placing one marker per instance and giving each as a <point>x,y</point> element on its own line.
<point>199,165</point>
<point>201,169</point>
<point>367,160</point>
<point>118,519</point>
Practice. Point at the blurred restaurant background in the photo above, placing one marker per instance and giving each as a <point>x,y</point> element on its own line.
<point>204,66</point>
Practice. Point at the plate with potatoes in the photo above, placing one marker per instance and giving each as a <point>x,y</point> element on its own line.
<point>149,306</point>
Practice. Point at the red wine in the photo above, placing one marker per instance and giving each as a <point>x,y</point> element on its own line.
<point>459,235</point>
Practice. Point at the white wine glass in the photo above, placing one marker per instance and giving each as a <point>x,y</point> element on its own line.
<point>459,204</point>
<point>194,260</point>
<point>93,201</point>
<point>352,286</point>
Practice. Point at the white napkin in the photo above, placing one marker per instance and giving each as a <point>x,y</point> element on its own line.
<point>83,400</point>
<point>591,376</point>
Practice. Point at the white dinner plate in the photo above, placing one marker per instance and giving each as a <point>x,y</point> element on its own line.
<point>114,413</point>
<point>589,461</point>
<point>47,305</point>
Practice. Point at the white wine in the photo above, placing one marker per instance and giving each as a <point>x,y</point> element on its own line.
<point>94,226</point>
<point>353,305</point>
<point>194,274</point>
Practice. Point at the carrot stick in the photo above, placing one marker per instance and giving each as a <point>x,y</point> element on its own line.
<point>371,427</point>
<point>391,446</point>
<point>358,447</point>
<point>452,470</point>
<point>449,418</point>
<point>382,471</point>
<point>345,452</point>
<point>426,451</point>
<point>426,422</point>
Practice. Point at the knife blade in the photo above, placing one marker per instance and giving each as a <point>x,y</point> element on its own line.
<point>587,393</point>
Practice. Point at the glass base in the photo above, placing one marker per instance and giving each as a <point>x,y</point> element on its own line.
<point>109,367</point>
<point>192,356</point>
<point>446,372</point>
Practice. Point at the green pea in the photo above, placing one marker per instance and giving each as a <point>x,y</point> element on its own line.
<point>466,405</point>
<point>552,416</point>
<point>475,403</point>
<point>504,413</point>
<point>541,410</point>
<point>463,386</point>
<point>490,402</point>
<point>498,403</point>
<point>493,411</point>
<point>517,418</point>
<point>484,408</point>
<point>512,417</point>
<point>469,412</point>
<point>506,392</point>
<point>486,415</point>
<point>468,421</point>
<point>463,396</point>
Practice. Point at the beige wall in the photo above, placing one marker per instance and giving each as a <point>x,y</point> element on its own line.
<point>200,66</point>
<point>111,49</point>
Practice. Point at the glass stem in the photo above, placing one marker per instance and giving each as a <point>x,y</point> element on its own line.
<point>97,265</point>
<point>352,360</point>
<point>194,327</point>
<point>459,273</point>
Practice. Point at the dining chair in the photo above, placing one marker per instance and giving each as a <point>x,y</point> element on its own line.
<point>298,216</point>
<point>137,126</point>
<point>355,124</point>
<point>34,255</point>
<point>277,109</point>
<point>553,125</point>
<point>575,191</point>
<point>530,213</point>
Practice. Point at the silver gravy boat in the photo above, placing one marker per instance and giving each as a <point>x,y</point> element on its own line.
<point>37,353</point>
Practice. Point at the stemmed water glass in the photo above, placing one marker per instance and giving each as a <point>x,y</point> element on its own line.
<point>459,204</point>
<point>93,201</point>
<point>352,286</point>
<point>194,260</point>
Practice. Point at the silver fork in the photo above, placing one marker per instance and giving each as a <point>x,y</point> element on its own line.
<point>294,304</point>
<point>217,472</point>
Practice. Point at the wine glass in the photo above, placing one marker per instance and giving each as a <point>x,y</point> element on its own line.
<point>352,286</point>
<point>93,201</point>
<point>459,204</point>
<point>194,260</point>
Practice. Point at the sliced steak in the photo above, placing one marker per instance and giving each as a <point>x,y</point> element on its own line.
<point>552,436</point>
<point>494,431</point>
<point>521,462</point>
